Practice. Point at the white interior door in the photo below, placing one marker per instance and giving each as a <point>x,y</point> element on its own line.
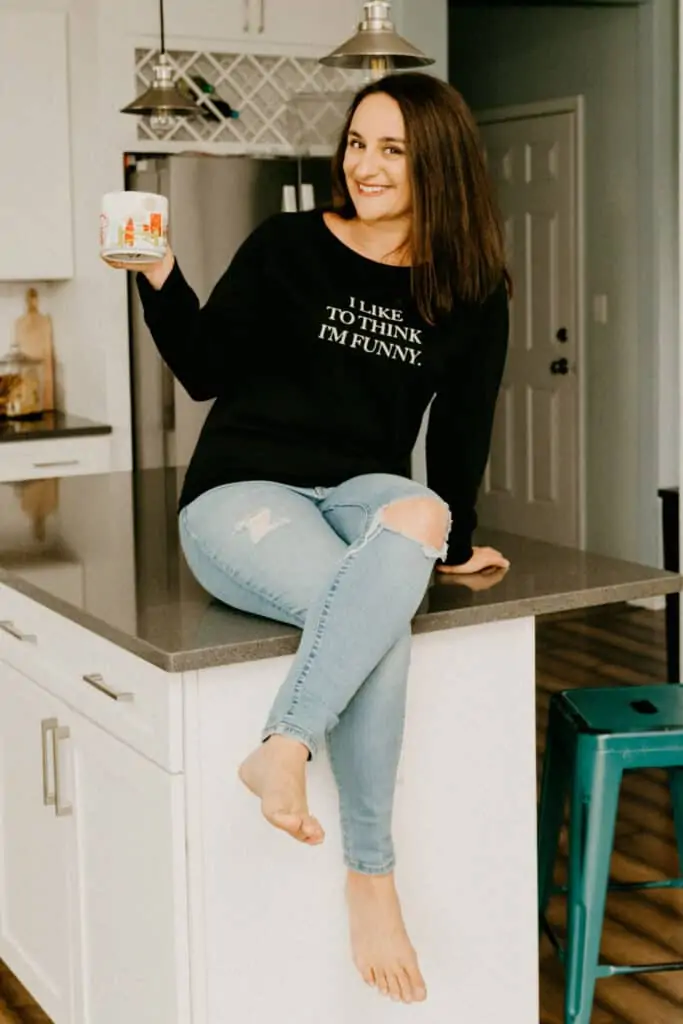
<point>532,483</point>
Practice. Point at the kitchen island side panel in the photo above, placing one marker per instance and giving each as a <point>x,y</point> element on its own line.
<point>270,932</point>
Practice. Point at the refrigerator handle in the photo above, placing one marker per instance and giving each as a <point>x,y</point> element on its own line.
<point>167,399</point>
<point>246,26</point>
<point>262,17</point>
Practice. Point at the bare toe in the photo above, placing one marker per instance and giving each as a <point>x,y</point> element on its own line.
<point>394,987</point>
<point>417,982</point>
<point>382,983</point>
<point>405,986</point>
<point>368,975</point>
<point>312,830</point>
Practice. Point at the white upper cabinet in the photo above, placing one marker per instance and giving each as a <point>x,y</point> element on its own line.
<point>36,242</point>
<point>322,24</point>
<point>295,24</point>
<point>220,20</point>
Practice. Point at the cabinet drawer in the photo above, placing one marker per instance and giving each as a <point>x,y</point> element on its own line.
<point>128,697</point>
<point>63,456</point>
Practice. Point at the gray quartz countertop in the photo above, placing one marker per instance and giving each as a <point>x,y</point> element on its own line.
<point>103,551</point>
<point>50,425</point>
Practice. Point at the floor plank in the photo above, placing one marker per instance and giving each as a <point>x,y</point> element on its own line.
<point>599,647</point>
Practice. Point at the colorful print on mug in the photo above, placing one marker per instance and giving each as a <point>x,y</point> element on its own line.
<point>134,226</point>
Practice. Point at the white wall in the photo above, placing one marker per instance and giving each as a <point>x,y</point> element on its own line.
<point>500,57</point>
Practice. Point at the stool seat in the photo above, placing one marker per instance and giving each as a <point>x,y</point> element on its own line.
<point>642,709</point>
<point>594,735</point>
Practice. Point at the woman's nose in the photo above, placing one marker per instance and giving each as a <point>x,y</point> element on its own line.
<point>368,165</point>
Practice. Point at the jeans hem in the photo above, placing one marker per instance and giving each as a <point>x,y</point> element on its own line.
<point>295,732</point>
<point>360,868</point>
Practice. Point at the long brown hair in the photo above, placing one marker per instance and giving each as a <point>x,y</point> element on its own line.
<point>456,240</point>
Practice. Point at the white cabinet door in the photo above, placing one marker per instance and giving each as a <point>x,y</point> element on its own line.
<point>203,19</point>
<point>129,820</point>
<point>322,24</point>
<point>35,170</point>
<point>36,863</point>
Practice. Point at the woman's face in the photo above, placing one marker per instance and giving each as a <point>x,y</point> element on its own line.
<point>375,163</point>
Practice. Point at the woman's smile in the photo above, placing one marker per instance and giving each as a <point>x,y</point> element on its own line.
<point>366,189</point>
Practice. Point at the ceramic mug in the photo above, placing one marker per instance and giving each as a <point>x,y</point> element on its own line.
<point>134,226</point>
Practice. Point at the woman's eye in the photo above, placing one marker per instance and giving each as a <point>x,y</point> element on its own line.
<point>355,144</point>
<point>393,151</point>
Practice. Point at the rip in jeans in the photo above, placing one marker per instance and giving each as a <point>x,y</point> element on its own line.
<point>259,524</point>
<point>378,524</point>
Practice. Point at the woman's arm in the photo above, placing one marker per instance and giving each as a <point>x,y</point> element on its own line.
<point>461,421</point>
<point>200,344</point>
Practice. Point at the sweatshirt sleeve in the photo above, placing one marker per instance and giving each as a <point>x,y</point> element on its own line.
<point>199,343</point>
<point>461,421</point>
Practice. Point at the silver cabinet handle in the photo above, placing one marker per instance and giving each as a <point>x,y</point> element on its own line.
<point>57,462</point>
<point>262,17</point>
<point>246,26</point>
<point>96,680</point>
<point>48,725</point>
<point>9,627</point>
<point>62,810</point>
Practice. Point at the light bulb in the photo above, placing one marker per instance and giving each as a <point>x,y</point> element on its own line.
<point>160,121</point>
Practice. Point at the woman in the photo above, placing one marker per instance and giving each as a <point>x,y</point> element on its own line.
<point>323,344</point>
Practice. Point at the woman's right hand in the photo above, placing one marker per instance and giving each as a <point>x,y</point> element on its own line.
<point>156,273</point>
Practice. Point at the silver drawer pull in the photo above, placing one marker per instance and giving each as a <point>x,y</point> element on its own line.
<point>9,627</point>
<point>96,680</point>
<point>62,809</point>
<point>58,462</point>
<point>47,726</point>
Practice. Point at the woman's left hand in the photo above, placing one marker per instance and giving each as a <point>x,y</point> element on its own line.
<point>474,581</point>
<point>481,560</point>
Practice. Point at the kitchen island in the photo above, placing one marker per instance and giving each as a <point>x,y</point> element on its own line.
<point>138,881</point>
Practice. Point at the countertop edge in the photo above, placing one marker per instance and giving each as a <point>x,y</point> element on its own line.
<point>671,583</point>
<point>261,649</point>
<point>55,435</point>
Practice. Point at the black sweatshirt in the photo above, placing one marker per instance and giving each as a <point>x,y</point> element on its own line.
<point>322,368</point>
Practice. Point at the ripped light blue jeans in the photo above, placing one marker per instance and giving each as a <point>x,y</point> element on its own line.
<point>323,559</point>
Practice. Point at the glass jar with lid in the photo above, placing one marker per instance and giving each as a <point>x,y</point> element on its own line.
<point>21,385</point>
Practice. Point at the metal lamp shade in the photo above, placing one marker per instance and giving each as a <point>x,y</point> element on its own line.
<point>376,44</point>
<point>163,96</point>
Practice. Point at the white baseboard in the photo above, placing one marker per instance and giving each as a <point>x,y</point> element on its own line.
<point>654,604</point>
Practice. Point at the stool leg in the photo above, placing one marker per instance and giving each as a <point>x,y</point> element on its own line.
<point>554,786</point>
<point>593,819</point>
<point>676,789</point>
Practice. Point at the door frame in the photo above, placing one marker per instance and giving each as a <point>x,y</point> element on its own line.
<point>574,105</point>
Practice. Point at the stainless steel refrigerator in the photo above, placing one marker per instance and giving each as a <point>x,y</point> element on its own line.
<point>214,204</point>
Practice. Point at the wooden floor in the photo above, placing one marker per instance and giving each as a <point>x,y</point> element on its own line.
<point>605,646</point>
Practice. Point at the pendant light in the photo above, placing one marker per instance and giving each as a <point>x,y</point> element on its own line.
<point>377,46</point>
<point>163,101</point>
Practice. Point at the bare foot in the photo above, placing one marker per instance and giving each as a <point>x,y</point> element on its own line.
<point>276,772</point>
<point>382,951</point>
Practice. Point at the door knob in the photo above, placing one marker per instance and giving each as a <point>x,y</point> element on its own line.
<point>562,334</point>
<point>559,366</point>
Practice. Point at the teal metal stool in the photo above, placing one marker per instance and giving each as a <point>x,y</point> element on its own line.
<point>594,735</point>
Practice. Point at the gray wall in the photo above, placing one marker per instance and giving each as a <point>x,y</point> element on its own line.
<point>500,57</point>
